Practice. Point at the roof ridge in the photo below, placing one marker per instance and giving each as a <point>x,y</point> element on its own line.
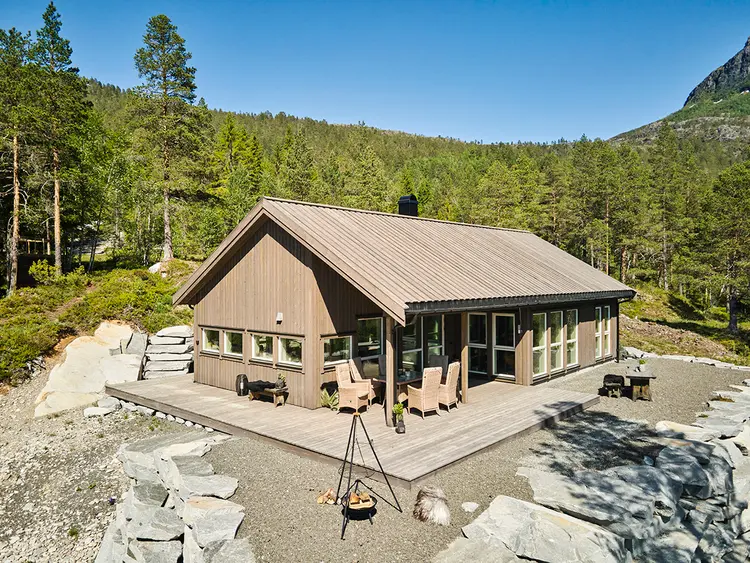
<point>371,212</point>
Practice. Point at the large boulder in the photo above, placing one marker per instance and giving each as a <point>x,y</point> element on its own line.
<point>86,366</point>
<point>538,533</point>
<point>684,468</point>
<point>599,498</point>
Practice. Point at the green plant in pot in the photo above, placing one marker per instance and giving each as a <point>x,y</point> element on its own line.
<point>281,381</point>
<point>398,413</point>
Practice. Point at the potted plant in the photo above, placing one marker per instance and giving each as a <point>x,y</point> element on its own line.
<point>398,413</point>
<point>281,381</point>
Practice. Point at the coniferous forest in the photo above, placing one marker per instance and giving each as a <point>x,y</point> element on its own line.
<point>153,173</point>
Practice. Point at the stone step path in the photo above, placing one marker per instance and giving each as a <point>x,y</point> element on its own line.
<point>176,508</point>
<point>169,353</point>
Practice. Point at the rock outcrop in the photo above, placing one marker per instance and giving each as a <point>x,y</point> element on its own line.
<point>732,76</point>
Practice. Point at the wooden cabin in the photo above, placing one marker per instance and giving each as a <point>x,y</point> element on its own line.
<point>297,287</point>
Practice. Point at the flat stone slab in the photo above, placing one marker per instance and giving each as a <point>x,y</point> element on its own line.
<point>161,374</point>
<point>156,551</point>
<point>465,550</point>
<point>97,411</point>
<point>221,486</point>
<point>158,340</point>
<point>727,427</point>
<point>170,348</point>
<point>158,365</point>
<point>179,331</point>
<point>170,357</point>
<point>217,527</point>
<point>538,533</point>
<point>156,524</point>
<point>684,468</point>
<point>136,344</point>
<point>171,468</point>
<point>231,551</point>
<point>678,357</point>
<point>197,508</point>
<point>677,430</point>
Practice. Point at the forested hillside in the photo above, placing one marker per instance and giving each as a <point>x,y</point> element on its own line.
<point>156,173</point>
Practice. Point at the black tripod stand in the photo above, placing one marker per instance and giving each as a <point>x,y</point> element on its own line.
<point>349,458</point>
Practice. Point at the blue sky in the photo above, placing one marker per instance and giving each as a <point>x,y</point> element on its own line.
<point>491,71</point>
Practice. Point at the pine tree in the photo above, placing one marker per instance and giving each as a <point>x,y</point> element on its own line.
<point>63,104</point>
<point>165,105</point>
<point>15,88</point>
<point>231,147</point>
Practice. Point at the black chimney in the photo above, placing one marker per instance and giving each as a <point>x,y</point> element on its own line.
<point>408,205</point>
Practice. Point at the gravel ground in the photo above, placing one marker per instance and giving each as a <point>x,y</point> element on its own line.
<point>278,488</point>
<point>56,474</point>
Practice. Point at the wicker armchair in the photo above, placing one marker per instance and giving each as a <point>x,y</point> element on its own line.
<point>426,398</point>
<point>448,391</point>
<point>351,395</point>
<point>357,371</point>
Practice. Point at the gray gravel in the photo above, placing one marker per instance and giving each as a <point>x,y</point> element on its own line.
<point>56,474</point>
<point>279,488</point>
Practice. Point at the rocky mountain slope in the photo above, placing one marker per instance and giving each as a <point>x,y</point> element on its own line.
<point>717,109</point>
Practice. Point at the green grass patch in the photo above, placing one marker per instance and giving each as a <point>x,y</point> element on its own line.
<point>33,320</point>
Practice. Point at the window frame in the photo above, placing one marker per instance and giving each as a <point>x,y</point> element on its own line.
<point>606,332</point>
<point>471,344</point>
<point>281,362</point>
<point>543,346</point>
<point>569,340</point>
<point>420,340</point>
<point>205,350</point>
<point>442,336</point>
<point>225,333</point>
<point>598,355</point>
<point>503,348</point>
<point>560,344</point>
<point>336,337</point>
<point>255,358</point>
<point>382,337</point>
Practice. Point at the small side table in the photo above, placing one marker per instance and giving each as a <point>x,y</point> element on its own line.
<point>640,383</point>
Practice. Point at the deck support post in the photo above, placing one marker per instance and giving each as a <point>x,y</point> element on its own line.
<point>464,357</point>
<point>390,369</point>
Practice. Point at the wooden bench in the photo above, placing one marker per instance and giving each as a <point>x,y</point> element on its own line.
<point>277,395</point>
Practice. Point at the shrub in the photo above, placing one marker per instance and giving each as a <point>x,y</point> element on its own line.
<point>43,272</point>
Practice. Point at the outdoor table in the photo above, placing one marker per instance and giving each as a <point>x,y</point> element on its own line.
<point>402,381</point>
<point>640,383</point>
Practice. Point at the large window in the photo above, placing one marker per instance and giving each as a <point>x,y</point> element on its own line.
<point>505,345</point>
<point>539,344</point>
<point>290,351</point>
<point>433,330</point>
<point>606,341</point>
<point>411,357</point>
<point>555,341</point>
<point>478,343</point>
<point>263,347</point>
<point>369,337</point>
<point>598,332</point>
<point>210,340</point>
<point>370,345</point>
<point>571,336</point>
<point>233,343</point>
<point>337,349</point>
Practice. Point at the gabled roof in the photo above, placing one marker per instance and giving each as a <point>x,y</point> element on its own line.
<point>410,264</point>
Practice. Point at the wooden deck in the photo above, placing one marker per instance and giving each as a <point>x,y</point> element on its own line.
<point>497,412</point>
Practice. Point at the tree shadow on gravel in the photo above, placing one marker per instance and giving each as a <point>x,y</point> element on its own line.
<point>593,440</point>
